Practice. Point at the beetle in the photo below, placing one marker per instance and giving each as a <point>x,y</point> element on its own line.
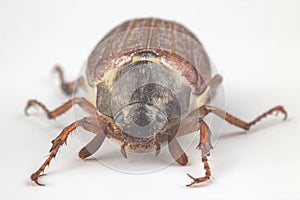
<point>149,81</point>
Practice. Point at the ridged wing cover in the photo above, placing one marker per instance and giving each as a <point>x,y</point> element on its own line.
<point>177,47</point>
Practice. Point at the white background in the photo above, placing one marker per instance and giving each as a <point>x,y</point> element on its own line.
<point>255,46</point>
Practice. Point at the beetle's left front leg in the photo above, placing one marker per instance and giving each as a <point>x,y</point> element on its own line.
<point>205,146</point>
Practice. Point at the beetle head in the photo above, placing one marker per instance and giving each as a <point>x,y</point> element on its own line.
<point>140,120</point>
<point>143,97</point>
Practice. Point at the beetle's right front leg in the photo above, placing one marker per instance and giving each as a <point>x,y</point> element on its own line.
<point>89,124</point>
<point>82,102</point>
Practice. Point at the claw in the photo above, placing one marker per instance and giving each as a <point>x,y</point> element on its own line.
<point>34,177</point>
<point>123,152</point>
<point>57,69</point>
<point>283,111</point>
<point>157,151</point>
<point>29,104</point>
<point>193,182</point>
<point>197,180</point>
<point>191,177</point>
<point>36,103</point>
<point>285,115</point>
<point>25,111</point>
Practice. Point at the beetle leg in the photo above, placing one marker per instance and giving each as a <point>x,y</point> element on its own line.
<point>177,153</point>
<point>158,148</point>
<point>82,102</point>
<point>207,173</point>
<point>68,87</point>
<point>85,123</point>
<point>175,149</point>
<point>238,122</point>
<point>123,151</point>
<point>204,146</point>
<point>92,146</point>
<point>205,143</point>
<point>213,84</point>
<point>96,142</point>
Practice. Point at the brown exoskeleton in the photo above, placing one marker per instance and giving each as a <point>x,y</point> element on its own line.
<point>149,81</point>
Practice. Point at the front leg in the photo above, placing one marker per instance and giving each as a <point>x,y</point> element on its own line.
<point>174,147</point>
<point>205,146</point>
<point>85,123</point>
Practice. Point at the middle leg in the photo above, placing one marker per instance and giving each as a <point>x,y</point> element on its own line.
<point>204,110</point>
<point>81,101</point>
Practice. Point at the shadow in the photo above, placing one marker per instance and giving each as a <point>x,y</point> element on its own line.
<point>232,134</point>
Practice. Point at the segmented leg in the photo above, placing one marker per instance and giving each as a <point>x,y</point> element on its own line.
<point>213,85</point>
<point>68,87</point>
<point>175,149</point>
<point>123,151</point>
<point>204,110</point>
<point>58,142</point>
<point>158,147</point>
<point>205,144</point>
<point>177,152</point>
<point>82,102</point>
<point>92,146</point>
<point>92,125</point>
<point>207,173</point>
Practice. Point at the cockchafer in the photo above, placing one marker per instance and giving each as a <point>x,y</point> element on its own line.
<point>148,81</point>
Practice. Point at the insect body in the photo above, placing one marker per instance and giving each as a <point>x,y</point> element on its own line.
<point>149,81</point>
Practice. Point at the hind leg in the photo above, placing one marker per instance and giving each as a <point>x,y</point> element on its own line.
<point>68,87</point>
